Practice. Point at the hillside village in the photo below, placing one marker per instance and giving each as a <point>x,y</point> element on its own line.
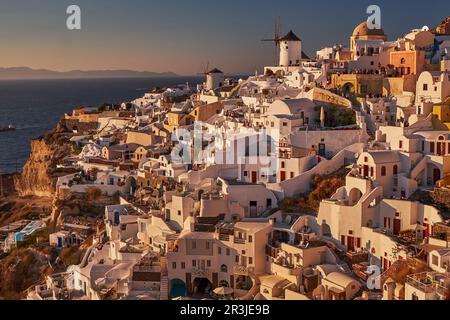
<point>299,183</point>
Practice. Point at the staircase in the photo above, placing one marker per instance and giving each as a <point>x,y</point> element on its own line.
<point>419,167</point>
<point>370,125</point>
<point>164,287</point>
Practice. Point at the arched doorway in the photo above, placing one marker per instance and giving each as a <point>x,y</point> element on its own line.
<point>244,283</point>
<point>354,196</point>
<point>434,174</point>
<point>202,286</point>
<point>224,283</point>
<point>177,288</point>
<point>348,90</point>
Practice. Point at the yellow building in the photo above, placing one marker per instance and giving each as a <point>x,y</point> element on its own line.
<point>362,32</point>
<point>205,112</point>
<point>442,111</point>
<point>358,85</point>
<point>176,120</point>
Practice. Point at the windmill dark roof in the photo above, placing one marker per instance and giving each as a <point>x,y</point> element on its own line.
<point>215,70</point>
<point>291,36</point>
<point>305,56</point>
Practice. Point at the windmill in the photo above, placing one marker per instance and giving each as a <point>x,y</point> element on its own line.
<point>205,67</point>
<point>276,36</point>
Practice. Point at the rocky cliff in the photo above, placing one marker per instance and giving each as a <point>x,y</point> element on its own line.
<point>40,173</point>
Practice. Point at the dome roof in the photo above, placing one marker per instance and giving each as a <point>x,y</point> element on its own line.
<point>363,30</point>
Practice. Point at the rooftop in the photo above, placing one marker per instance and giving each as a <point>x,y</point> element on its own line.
<point>291,36</point>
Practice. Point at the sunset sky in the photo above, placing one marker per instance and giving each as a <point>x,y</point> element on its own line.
<point>181,35</point>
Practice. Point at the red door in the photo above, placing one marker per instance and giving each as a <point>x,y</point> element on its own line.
<point>436,175</point>
<point>385,264</point>
<point>366,171</point>
<point>351,243</point>
<point>397,226</point>
<point>283,175</point>
<point>426,230</point>
<point>441,148</point>
<point>254,177</point>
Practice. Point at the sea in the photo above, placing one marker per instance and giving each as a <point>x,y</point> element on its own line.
<point>34,107</point>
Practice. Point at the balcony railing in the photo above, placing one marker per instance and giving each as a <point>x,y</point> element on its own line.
<point>200,272</point>
<point>242,270</point>
<point>428,283</point>
<point>224,237</point>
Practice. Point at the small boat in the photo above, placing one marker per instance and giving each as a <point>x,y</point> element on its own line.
<point>8,128</point>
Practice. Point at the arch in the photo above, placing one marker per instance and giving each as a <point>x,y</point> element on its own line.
<point>383,171</point>
<point>348,88</point>
<point>354,196</point>
<point>224,283</point>
<point>244,283</point>
<point>177,288</point>
<point>202,286</point>
<point>433,173</point>
<point>402,61</point>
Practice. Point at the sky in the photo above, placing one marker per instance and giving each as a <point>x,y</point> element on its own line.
<point>182,36</point>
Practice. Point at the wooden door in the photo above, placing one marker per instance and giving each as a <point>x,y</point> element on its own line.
<point>436,175</point>
<point>366,171</point>
<point>397,226</point>
<point>351,243</point>
<point>426,230</point>
<point>254,177</point>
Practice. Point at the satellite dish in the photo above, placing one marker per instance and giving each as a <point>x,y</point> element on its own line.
<point>425,28</point>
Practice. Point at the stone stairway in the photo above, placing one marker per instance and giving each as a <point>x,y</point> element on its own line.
<point>164,289</point>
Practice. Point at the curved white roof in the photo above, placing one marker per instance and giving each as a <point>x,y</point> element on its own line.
<point>290,106</point>
<point>341,279</point>
<point>385,156</point>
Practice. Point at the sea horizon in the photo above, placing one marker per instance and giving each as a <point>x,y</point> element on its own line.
<point>34,108</point>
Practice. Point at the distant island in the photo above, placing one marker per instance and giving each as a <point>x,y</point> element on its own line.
<point>24,73</point>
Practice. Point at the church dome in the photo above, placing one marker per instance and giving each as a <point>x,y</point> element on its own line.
<point>363,30</point>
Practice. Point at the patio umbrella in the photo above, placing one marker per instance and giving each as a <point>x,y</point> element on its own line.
<point>223,291</point>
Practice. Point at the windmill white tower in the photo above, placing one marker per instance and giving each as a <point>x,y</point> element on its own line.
<point>214,79</point>
<point>290,50</point>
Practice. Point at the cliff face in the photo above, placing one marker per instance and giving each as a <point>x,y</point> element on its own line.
<point>40,173</point>
<point>20,270</point>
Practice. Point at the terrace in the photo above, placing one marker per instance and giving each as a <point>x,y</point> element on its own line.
<point>431,282</point>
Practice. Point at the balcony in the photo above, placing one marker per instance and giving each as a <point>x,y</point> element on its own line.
<point>285,155</point>
<point>272,251</point>
<point>239,241</point>
<point>431,282</point>
<point>224,237</point>
<point>242,271</point>
<point>200,272</point>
